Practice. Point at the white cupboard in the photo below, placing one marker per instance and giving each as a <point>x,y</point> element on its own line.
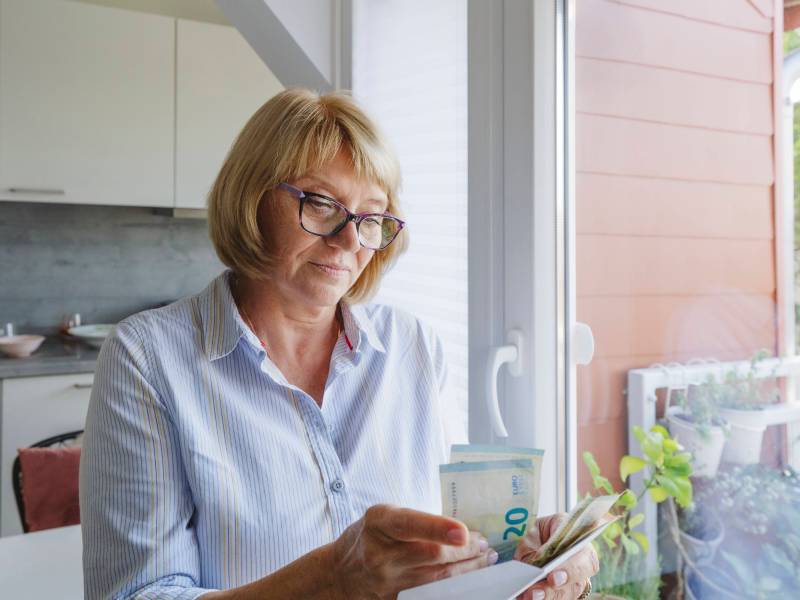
<point>86,104</point>
<point>33,409</point>
<point>221,82</point>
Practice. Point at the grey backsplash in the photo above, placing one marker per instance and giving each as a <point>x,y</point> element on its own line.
<point>100,261</point>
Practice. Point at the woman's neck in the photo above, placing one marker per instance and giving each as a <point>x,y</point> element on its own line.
<point>287,329</point>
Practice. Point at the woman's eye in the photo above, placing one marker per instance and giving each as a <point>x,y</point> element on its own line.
<point>319,204</point>
<point>372,222</point>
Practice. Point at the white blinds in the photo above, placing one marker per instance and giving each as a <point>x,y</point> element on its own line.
<point>410,71</point>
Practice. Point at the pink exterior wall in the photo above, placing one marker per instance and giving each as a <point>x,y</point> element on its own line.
<point>675,193</point>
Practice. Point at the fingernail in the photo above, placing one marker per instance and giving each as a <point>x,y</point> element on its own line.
<point>560,578</point>
<point>538,595</point>
<point>493,557</point>
<point>457,536</point>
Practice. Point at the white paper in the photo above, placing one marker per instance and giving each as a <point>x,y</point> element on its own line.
<point>499,582</point>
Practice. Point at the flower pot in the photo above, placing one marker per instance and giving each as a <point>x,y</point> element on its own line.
<point>698,589</point>
<point>702,551</point>
<point>706,450</point>
<point>743,445</point>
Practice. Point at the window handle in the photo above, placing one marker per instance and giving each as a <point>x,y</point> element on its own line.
<point>510,354</point>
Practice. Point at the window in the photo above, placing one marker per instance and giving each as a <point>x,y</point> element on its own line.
<point>410,70</point>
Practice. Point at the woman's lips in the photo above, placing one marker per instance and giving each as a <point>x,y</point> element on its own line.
<point>332,270</point>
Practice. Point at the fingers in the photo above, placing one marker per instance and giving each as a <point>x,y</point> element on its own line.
<point>548,525</point>
<point>437,572</point>
<point>545,527</point>
<point>579,568</point>
<point>407,525</point>
<point>429,553</point>
<point>569,581</point>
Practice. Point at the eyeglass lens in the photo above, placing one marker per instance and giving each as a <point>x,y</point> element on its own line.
<point>323,218</point>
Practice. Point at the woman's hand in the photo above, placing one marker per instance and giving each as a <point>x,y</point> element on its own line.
<point>569,580</point>
<point>391,549</point>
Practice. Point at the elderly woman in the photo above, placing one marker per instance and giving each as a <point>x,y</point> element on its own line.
<point>259,439</point>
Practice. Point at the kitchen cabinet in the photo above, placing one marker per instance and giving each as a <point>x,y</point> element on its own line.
<point>87,104</point>
<point>220,83</point>
<point>33,409</point>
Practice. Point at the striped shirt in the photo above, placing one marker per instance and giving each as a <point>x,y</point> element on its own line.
<point>203,468</point>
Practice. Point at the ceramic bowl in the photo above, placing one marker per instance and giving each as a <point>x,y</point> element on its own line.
<point>94,335</point>
<point>20,346</point>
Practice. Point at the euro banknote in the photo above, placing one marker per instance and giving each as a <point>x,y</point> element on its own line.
<point>584,518</point>
<point>487,452</point>
<point>496,498</point>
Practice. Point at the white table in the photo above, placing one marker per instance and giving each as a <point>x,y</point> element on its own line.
<point>43,564</point>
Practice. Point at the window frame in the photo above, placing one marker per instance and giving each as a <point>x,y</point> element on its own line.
<point>521,229</point>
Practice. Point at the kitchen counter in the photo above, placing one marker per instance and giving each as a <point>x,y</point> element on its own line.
<point>55,356</point>
<point>43,564</point>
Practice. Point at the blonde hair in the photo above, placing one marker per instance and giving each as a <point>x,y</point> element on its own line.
<point>293,133</point>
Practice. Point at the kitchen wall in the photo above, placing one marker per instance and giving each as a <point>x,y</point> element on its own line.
<point>102,262</point>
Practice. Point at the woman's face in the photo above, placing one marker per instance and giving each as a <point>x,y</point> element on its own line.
<point>310,269</point>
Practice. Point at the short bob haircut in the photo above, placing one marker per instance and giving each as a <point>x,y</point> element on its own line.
<point>293,133</point>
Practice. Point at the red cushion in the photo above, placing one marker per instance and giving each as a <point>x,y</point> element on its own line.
<point>50,486</point>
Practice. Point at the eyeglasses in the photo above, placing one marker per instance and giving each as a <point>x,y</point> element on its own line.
<point>324,216</point>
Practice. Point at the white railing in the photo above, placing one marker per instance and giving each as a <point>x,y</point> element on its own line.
<point>643,385</point>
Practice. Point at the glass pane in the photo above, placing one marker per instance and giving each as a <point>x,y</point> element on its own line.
<point>687,280</point>
<point>410,71</point>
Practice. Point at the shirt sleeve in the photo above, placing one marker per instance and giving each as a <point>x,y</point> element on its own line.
<point>136,506</point>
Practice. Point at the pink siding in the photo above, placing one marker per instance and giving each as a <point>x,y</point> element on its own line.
<point>676,180</point>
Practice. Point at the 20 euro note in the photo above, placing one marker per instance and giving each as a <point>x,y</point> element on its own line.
<point>581,520</point>
<point>487,452</point>
<point>496,498</point>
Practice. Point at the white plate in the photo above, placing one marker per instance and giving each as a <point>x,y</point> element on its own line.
<point>94,335</point>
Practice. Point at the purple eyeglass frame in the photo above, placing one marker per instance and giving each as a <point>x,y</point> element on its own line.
<point>356,218</point>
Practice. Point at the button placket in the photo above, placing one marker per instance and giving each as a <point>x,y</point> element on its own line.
<point>331,468</point>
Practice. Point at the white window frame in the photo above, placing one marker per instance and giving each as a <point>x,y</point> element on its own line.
<point>521,233</point>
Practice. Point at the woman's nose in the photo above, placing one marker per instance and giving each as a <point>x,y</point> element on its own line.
<point>347,238</point>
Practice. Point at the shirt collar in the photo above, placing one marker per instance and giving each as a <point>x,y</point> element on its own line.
<point>357,321</point>
<point>223,326</point>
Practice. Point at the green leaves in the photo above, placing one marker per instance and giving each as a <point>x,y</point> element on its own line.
<point>627,500</point>
<point>599,482</point>
<point>665,468</point>
<point>684,495</point>
<point>642,539</point>
<point>629,465</point>
<point>629,545</point>
<point>591,463</point>
<point>658,494</point>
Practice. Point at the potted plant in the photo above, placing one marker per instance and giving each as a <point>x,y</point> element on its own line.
<point>696,422</point>
<point>760,506</point>
<point>744,400</point>
<point>732,577</point>
<point>622,549</point>
<point>700,532</point>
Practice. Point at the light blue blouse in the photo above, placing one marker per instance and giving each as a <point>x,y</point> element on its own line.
<point>204,468</point>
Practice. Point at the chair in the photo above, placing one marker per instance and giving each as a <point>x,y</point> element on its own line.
<point>63,440</point>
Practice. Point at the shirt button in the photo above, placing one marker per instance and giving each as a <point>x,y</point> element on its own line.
<point>337,485</point>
